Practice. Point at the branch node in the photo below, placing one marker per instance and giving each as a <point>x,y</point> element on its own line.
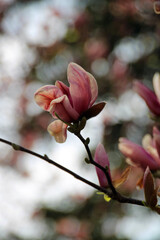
<point>87,160</point>
<point>87,141</point>
<point>46,157</point>
<point>15,146</point>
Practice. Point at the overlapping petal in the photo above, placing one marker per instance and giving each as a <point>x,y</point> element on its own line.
<point>83,88</point>
<point>93,89</point>
<point>63,108</point>
<point>58,129</point>
<point>63,88</point>
<point>44,96</point>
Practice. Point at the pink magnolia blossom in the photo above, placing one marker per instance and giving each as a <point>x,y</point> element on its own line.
<point>102,159</point>
<point>151,98</point>
<point>68,103</point>
<point>144,156</point>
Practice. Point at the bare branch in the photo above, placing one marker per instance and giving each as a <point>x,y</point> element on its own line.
<point>118,197</point>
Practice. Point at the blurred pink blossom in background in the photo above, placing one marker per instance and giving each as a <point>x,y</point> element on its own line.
<point>148,155</point>
<point>151,98</point>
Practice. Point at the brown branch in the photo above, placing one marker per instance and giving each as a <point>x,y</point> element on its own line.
<point>116,197</point>
<point>115,193</point>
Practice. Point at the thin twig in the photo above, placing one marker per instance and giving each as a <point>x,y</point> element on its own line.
<point>120,198</point>
<point>97,165</point>
<point>47,159</point>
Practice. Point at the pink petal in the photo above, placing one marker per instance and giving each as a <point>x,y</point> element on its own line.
<point>62,87</point>
<point>45,95</point>
<point>80,88</point>
<point>148,96</point>
<point>102,159</point>
<point>147,141</point>
<point>63,108</point>
<point>56,107</point>
<point>137,154</point>
<point>93,89</point>
<point>154,154</point>
<point>149,145</point>
<point>58,129</point>
<point>156,137</point>
<point>156,85</point>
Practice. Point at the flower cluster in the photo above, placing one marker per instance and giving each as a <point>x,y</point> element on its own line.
<point>72,106</point>
<point>68,104</point>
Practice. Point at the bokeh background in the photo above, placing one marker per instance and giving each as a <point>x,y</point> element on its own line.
<point>117,41</point>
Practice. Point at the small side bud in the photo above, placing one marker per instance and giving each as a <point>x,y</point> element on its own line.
<point>87,141</point>
<point>87,160</point>
<point>82,123</point>
<point>15,146</point>
<point>107,168</point>
<point>71,129</point>
<point>46,157</point>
